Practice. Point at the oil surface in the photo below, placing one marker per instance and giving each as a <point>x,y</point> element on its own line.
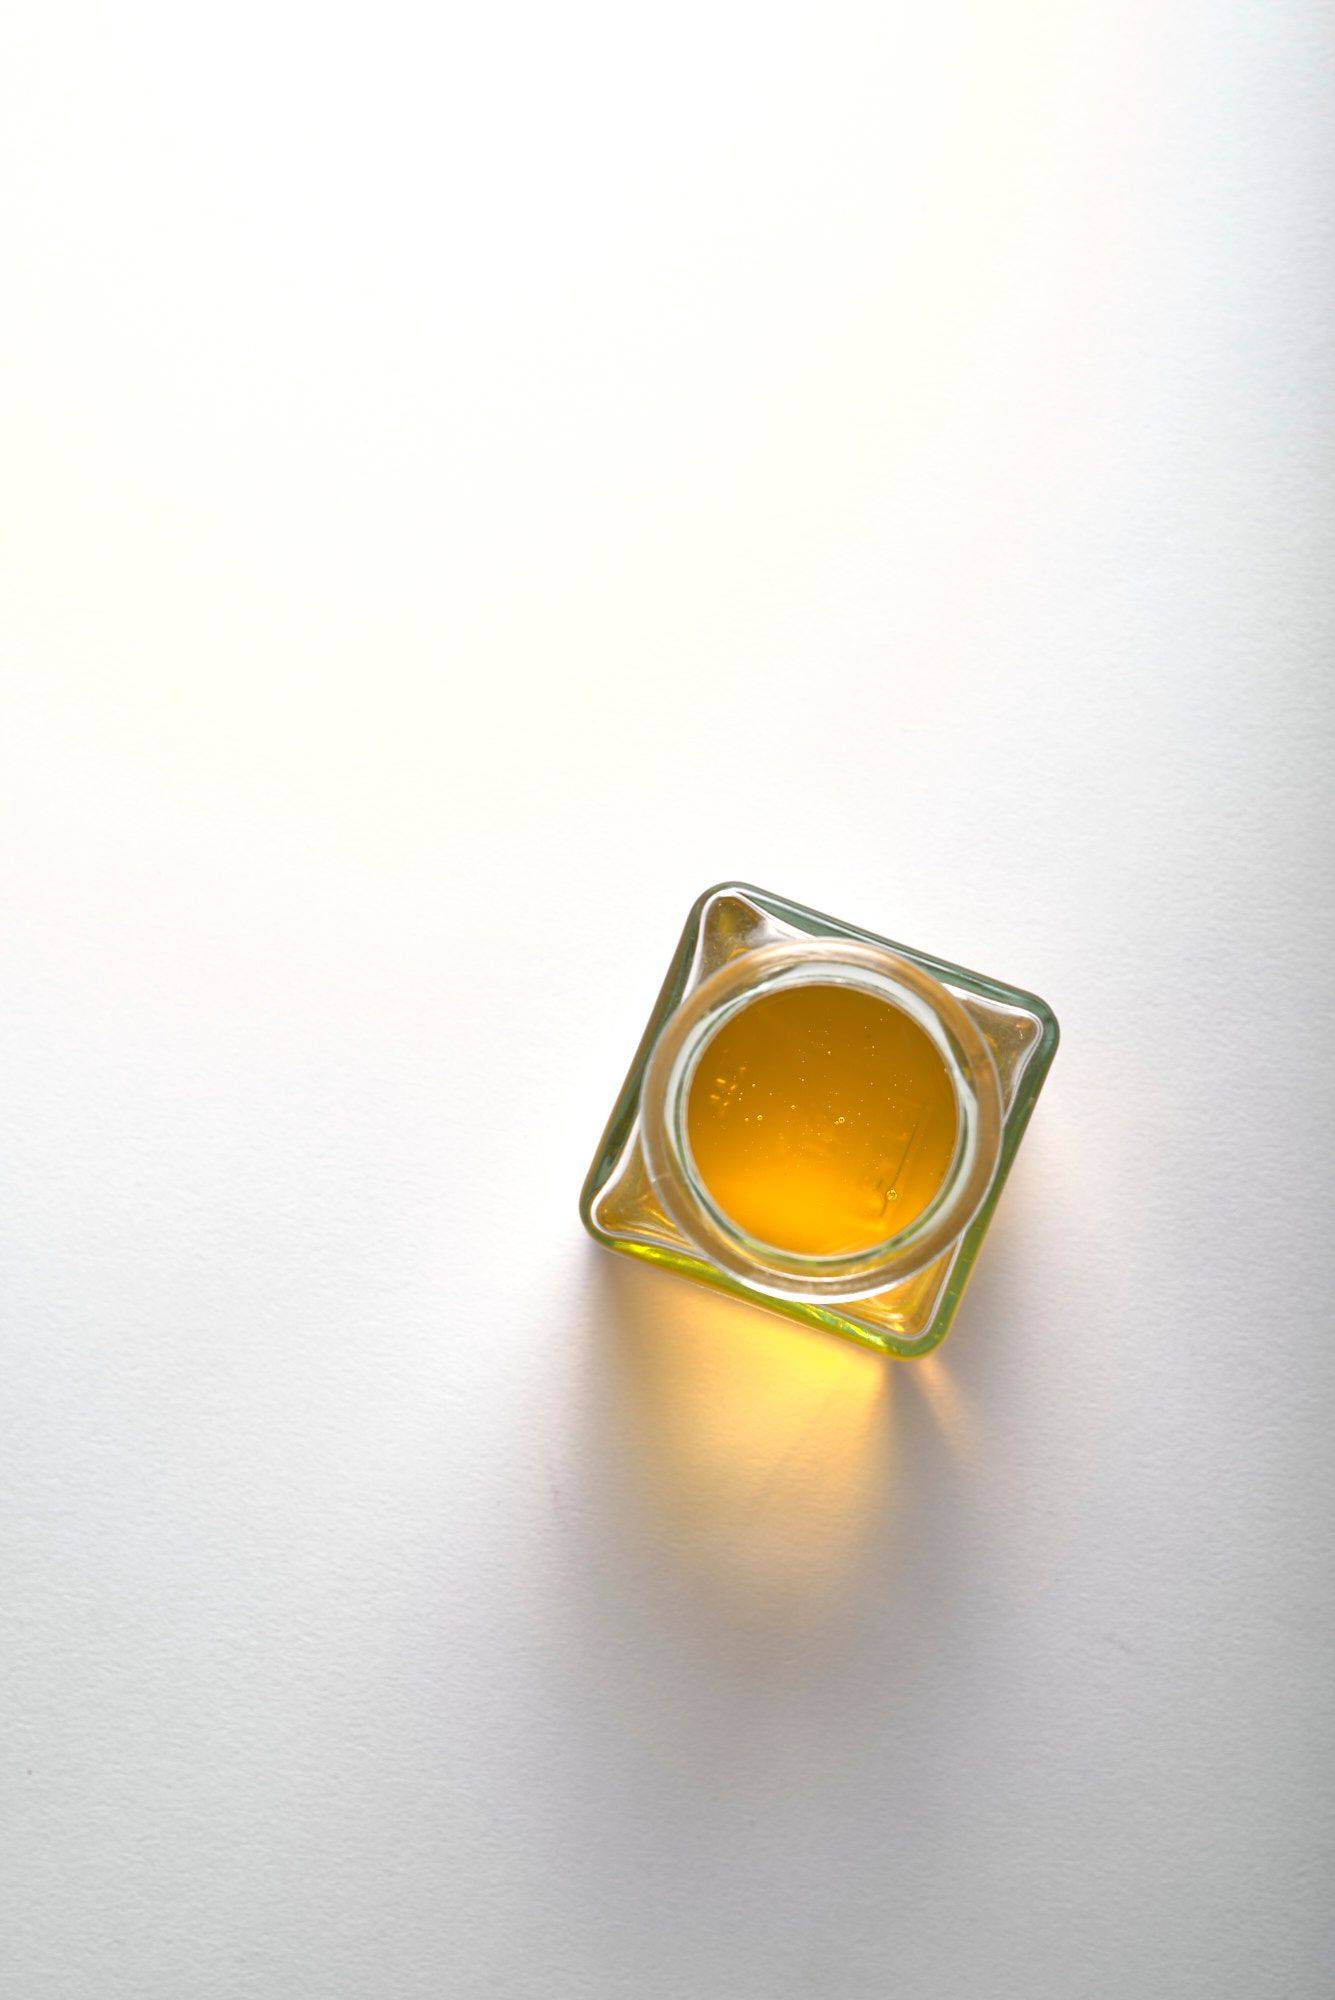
<point>821,1119</point>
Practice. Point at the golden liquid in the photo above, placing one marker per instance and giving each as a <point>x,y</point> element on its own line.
<point>822,1120</point>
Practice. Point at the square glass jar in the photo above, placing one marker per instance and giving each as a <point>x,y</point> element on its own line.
<point>642,1197</point>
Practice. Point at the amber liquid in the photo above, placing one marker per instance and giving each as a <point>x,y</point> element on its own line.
<point>821,1119</point>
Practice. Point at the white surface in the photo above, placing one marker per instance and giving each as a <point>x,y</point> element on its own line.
<point>472,478</point>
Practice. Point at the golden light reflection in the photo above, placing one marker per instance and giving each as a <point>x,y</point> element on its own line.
<point>761,1449</point>
<point>954,1418</point>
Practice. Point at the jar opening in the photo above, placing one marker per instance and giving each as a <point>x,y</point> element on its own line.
<point>821,1118</point>
<point>741,1109</point>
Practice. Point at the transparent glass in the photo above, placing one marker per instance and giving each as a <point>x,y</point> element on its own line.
<point>645,1196</point>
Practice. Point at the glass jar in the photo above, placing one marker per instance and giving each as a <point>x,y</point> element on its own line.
<point>869,1231</point>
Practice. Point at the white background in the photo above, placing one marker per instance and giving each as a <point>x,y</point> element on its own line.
<point>472,477</point>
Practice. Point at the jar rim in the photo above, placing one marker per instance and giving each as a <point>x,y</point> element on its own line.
<point>969,1065</point>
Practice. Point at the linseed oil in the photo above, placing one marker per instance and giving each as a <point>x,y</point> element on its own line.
<point>821,1119</point>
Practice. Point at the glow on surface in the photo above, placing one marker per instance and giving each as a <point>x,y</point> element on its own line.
<point>761,1449</point>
